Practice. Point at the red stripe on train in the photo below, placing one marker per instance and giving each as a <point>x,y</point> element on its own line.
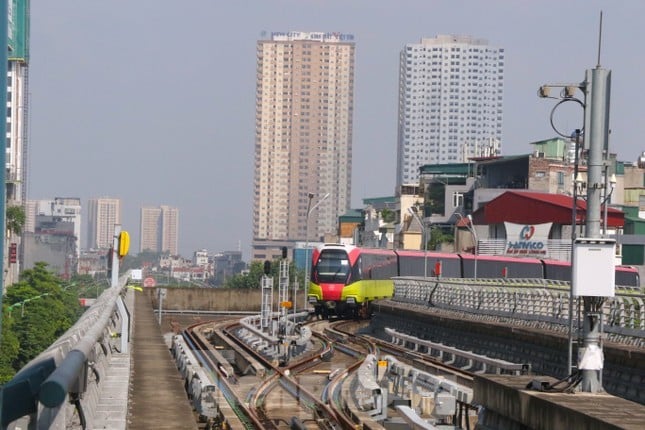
<point>331,292</point>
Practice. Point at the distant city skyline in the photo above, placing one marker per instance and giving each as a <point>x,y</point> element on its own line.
<point>119,113</point>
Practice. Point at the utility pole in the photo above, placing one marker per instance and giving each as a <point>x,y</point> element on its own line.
<point>597,92</point>
<point>592,257</point>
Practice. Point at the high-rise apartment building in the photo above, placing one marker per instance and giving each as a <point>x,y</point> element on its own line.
<point>102,214</point>
<point>159,229</point>
<point>450,103</point>
<point>17,114</point>
<point>303,142</point>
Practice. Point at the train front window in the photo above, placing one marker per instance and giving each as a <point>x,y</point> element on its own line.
<point>332,267</point>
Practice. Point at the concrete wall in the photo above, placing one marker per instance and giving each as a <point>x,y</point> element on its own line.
<point>209,299</point>
<point>546,351</point>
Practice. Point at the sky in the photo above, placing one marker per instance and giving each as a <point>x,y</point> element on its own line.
<point>153,101</point>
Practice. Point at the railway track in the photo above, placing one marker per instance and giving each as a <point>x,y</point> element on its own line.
<point>308,391</point>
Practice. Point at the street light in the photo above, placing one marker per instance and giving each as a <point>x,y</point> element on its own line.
<point>469,225</point>
<point>310,208</point>
<point>425,241</point>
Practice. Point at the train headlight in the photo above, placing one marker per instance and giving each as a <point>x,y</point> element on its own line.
<point>313,299</point>
<point>351,300</point>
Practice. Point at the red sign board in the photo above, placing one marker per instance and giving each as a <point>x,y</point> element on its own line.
<point>149,282</point>
<point>13,253</point>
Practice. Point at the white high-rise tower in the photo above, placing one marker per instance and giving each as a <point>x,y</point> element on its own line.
<point>450,102</point>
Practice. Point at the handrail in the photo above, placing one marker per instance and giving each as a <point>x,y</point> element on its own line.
<point>53,374</point>
<point>530,301</point>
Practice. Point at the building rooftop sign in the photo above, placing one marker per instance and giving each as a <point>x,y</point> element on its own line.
<point>313,36</point>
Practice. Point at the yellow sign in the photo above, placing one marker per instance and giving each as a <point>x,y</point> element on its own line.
<point>286,304</point>
<point>124,243</point>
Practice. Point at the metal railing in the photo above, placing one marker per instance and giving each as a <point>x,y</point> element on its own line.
<point>60,387</point>
<point>534,302</point>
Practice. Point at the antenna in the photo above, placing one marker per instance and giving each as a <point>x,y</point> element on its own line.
<point>599,39</point>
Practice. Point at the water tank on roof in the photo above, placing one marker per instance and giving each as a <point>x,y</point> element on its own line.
<point>641,160</point>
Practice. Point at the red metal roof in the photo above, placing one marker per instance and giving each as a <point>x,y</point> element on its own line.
<point>529,207</point>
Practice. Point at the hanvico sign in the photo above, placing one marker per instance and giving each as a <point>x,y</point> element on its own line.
<point>527,239</point>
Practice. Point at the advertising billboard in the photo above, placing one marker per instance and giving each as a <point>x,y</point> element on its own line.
<point>18,30</point>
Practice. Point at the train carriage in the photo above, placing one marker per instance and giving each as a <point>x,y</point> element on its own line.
<point>345,279</point>
<point>625,276</point>
<point>415,263</point>
<point>489,266</point>
<point>628,276</point>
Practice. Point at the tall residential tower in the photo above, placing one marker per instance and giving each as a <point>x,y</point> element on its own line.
<point>102,214</point>
<point>159,229</point>
<point>17,114</point>
<point>450,103</point>
<point>303,140</point>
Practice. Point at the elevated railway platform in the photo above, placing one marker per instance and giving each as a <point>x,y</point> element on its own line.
<point>157,396</point>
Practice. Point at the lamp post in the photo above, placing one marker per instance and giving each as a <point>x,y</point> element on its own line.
<point>305,284</point>
<point>474,233</point>
<point>567,95</point>
<point>425,241</point>
<point>471,229</point>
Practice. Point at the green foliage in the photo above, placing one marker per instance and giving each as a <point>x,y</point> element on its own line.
<point>256,270</point>
<point>144,258</point>
<point>388,215</point>
<point>437,237</point>
<point>16,219</point>
<point>39,309</point>
<point>8,347</point>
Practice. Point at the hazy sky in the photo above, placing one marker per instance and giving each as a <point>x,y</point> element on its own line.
<point>152,101</point>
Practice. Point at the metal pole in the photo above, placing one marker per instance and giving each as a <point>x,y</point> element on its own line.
<point>605,200</point>
<point>476,251</point>
<point>425,250</point>
<point>310,209</point>
<point>305,281</point>
<point>159,291</point>
<point>474,233</point>
<point>115,255</point>
<point>597,128</point>
<point>574,223</point>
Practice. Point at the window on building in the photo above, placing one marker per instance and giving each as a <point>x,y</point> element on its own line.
<point>560,176</point>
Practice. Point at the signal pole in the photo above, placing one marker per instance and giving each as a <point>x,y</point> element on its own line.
<point>592,282</point>
<point>597,93</point>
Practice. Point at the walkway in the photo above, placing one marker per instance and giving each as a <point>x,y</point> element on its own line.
<point>157,396</point>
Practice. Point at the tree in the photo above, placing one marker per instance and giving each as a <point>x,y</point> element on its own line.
<point>41,309</point>
<point>8,348</point>
<point>16,219</point>
<point>256,270</point>
<point>437,237</point>
<point>388,215</point>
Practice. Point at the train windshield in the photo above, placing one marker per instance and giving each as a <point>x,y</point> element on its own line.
<point>332,267</point>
